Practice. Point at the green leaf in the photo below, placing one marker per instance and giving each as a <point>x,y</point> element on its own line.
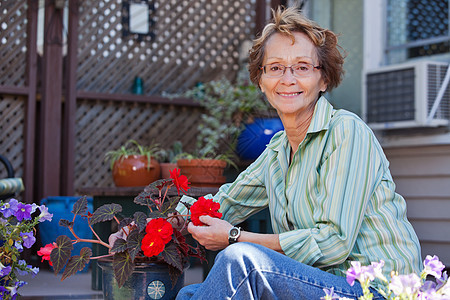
<point>61,254</point>
<point>156,214</point>
<point>77,262</point>
<point>120,245</point>
<point>122,266</point>
<point>172,256</point>
<point>80,207</point>
<point>170,204</point>
<point>140,219</point>
<point>65,223</point>
<point>134,242</point>
<point>145,198</point>
<point>105,212</point>
<point>174,274</point>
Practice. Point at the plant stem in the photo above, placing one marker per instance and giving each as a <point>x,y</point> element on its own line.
<point>93,241</point>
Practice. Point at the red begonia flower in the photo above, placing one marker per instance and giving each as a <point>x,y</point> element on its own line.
<point>45,252</point>
<point>161,228</point>
<point>181,182</point>
<point>204,207</point>
<point>152,245</point>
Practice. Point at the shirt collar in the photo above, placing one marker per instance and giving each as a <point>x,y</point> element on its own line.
<point>323,112</point>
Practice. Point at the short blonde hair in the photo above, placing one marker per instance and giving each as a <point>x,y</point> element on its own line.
<point>290,20</point>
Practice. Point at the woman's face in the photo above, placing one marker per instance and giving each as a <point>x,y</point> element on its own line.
<point>289,94</point>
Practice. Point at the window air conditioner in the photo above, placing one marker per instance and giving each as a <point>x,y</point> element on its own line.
<point>409,95</point>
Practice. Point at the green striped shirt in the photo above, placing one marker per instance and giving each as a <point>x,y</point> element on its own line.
<point>334,203</point>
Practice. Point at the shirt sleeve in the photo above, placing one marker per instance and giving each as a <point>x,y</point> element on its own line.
<point>345,179</point>
<point>241,198</point>
<point>246,195</point>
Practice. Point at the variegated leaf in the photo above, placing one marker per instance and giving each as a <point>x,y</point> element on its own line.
<point>80,207</point>
<point>123,267</point>
<point>105,212</point>
<point>61,253</point>
<point>77,263</point>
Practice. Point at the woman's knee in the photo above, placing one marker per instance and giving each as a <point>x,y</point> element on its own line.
<point>243,254</point>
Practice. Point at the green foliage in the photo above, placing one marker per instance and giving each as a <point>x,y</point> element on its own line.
<point>105,212</point>
<point>227,105</point>
<point>126,250</point>
<point>171,155</point>
<point>61,254</point>
<point>132,147</point>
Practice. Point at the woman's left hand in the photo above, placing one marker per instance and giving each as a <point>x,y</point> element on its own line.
<point>214,236</point>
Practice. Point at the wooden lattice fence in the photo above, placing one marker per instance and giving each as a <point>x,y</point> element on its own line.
<point>12,118</point>
<point>106,125</point>
<point>195,40</point>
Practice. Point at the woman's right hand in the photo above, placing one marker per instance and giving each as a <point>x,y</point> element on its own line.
<point>213,236</point>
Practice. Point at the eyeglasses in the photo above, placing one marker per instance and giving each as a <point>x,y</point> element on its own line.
<point>298,70</point>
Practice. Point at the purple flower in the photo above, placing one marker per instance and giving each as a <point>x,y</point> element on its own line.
<point>4,270</point>
<point>44,215</point>
<point>442,281</point>
<point>34,271</point>
<point>28,239</point>
<point>433,266</point>
<point>329,294</point>
<point>18,246</point>
<point>3,292</point>
<point>353,272</point>
<point>23,211</point>
<point>10,208</point>
<point>362,274</point>
<point>378,269</point>
<point>405,284</point>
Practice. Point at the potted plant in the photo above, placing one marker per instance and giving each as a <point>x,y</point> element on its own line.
<point>227,107</point>
<point>133,164</point>
<point>168,158</point>
<point>149,253</point>
<point>18,223</point>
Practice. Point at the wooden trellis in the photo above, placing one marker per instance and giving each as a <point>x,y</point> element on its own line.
<point>194,41</point>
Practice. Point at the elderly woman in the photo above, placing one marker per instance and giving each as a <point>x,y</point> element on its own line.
<point>324,178</point>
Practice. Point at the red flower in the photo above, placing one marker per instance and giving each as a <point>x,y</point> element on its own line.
<point>204,207</point>
<point>181,182</point>
<point>160,228</point>
<point>45,252</point>
<point>152,245</point>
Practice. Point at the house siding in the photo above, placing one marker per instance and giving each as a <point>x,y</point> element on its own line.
<point>422,176</point>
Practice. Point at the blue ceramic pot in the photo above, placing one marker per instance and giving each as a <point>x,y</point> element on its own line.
<point>254,138</point>
<point>148,281</point>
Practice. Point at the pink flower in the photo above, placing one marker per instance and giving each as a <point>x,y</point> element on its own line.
<point>46,251</point>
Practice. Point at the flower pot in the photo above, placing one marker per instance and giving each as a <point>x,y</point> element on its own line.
<point>134,171</point>
<point>254,138</point>
<point>203,172</point>
<point>165,168</point>
<point>148,281</point>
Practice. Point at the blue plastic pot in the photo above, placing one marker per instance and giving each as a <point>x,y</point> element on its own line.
<point>254,138</point>
<point>61,208</point>
<point>148,281</point>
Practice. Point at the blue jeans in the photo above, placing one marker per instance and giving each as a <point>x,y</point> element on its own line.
<point>250,271</point>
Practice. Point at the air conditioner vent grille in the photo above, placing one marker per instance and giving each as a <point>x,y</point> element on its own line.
<point>390,96</point>
<point>436,75</point>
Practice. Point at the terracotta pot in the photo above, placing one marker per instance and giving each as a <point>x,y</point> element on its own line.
<point>165,168</point>
<point>203,172</point>
<point>133,171</point>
